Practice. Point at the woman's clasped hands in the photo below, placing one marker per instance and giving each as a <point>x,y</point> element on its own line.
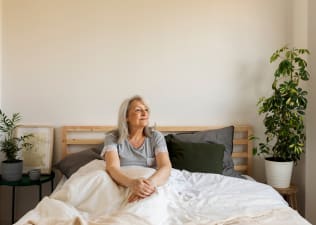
<point>141,188</point>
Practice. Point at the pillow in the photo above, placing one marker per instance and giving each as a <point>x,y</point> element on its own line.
<point>219,136</point>
<point>99,148</point>
<point>71,163</point>
<point>138,171</point>
<point>196,157</point>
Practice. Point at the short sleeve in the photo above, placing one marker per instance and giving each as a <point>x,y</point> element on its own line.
<point>159,142</point>
<point>110,144</point>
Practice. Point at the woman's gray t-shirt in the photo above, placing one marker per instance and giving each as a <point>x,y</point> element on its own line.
<point>145,155</point>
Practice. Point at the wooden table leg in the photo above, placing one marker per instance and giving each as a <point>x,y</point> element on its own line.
<point>293,201</point>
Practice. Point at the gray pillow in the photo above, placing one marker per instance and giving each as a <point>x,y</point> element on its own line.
<point>99,148</point>
<point>219,136</point>
<point>71,163</point>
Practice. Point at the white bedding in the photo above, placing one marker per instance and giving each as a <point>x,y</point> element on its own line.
<point>90,197</point>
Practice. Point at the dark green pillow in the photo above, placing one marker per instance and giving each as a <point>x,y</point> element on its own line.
<point>196,157</point>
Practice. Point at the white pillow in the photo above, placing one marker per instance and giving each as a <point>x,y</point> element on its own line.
<point>138,171</point>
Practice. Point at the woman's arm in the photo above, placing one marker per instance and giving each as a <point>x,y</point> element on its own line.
<point>140,187</point>
<point>162,174</point>
<point>159,177</point>
<point>113,168</point>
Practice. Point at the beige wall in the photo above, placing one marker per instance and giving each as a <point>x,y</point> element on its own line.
<point>299,35</point>
<point>0,53</point>
<point>311,121</point>
<point>196,62</point>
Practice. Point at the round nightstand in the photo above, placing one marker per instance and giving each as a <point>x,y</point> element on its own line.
<point>289,195</point>
<point>25,181</point>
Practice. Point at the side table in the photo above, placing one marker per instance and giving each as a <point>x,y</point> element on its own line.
<point>289,195</point>
<point>25,181</point>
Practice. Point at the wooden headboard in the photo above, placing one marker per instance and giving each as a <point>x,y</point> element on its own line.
<point>75,138</point>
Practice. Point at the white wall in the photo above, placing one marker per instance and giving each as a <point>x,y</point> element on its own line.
<point>311,121</point>
<point>196,62</point>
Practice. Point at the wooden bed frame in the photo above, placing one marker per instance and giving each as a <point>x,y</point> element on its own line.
<point>75,138</point>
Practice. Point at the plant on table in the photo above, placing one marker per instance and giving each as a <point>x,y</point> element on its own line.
<point>11,145</point>
<point>284,113</point>
<point>284,110</point>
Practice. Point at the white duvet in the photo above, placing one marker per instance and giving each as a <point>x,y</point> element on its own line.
<point>90,197</point>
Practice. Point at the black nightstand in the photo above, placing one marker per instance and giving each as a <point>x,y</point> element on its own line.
<point>25,181</point>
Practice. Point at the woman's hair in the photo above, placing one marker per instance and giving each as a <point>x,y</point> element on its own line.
<point>122,132</point>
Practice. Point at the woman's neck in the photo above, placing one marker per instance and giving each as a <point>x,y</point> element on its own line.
<point>136,134</point>
<point>136,137</point>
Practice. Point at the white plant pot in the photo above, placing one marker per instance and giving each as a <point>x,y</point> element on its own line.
<point>278,174</point>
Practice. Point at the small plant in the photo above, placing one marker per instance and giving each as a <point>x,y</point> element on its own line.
<point>284,110</point>
<point>9,144</point>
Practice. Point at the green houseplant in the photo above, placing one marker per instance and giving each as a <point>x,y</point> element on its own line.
<point>10,145</point>
<point>284,110</point>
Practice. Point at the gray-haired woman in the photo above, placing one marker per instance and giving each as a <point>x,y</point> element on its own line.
<point>134,143</point>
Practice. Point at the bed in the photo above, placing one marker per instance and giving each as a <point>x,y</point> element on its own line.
<point>195,194</point>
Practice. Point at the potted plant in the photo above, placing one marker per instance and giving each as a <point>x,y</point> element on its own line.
<point>10,145</point>
<point>284,114</point>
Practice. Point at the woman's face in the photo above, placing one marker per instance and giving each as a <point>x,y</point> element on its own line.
<point>137,115</point>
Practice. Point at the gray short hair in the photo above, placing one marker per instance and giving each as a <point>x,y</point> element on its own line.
<point>122,132</point>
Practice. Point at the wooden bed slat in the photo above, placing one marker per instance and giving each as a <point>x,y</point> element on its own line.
<point>84,141</point>
<point>240,142</point>
<point>76,136</point>
<point>240,154</point>
<point>241,168</point>
<point>89,128</point>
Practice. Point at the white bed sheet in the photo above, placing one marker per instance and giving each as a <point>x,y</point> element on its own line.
<point>90,197</point>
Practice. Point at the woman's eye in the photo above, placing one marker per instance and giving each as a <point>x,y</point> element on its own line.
<point>141,110</point>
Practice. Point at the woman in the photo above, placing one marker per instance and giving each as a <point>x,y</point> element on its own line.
<point>134,143</point>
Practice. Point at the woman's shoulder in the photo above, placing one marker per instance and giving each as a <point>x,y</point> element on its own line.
<point>112,135</point>
<point>156,134</point>
<point>157,138</point>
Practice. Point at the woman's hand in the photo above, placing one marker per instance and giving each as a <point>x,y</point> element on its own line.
<point>133,198</point>
<point>141,188</point>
